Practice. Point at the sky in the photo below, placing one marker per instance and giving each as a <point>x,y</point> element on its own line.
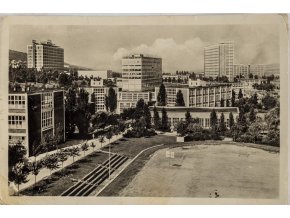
<point>180,47</point>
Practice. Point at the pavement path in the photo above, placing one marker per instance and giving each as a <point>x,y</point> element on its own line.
<point>43,173</point>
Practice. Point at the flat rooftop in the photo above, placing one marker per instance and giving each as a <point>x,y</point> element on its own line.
<point>197,109</point>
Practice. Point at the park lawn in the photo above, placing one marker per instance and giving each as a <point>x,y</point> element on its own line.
<point>130,147</point>
<point>58,183</point>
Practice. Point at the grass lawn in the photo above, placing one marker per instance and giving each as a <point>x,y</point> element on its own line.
<point>130,147</point>
<point>57,183</point>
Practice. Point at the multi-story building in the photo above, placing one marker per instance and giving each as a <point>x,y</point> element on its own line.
<point>177,114</point>
<point>45,55</point>
<point>100,91</point>
<point>32,116</point>
<point>141,73</point>
<point>130,99</point>
<point>103,74</point>
<point>257,69</point>
<point>241,70</point>
<point>219,60</point>
<point>272,69</point>
<point>210,95</point>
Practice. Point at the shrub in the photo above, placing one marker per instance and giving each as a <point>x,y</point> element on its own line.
<point>246,138</point>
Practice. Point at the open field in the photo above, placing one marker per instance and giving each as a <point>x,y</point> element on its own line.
<point>201,170</point>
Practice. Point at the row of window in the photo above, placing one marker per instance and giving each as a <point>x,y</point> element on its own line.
<point>16,121</point>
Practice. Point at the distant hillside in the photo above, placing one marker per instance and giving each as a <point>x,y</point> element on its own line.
<point>77,67</point>
<point>17,55</point>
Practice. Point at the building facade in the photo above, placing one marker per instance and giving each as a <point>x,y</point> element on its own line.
<point>199,96</point>
<point>103,74</point>
<point>141,73</point>
<point>219,60</point>
<point>100,93</point>
<point>177,114</point>
<point>241,70</point>
<point>33,116</point>
<point>129,99</point>
<point>45,55</point>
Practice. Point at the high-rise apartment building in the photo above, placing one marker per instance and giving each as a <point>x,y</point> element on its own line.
<point>141,73</point>
<point>219,60</point>
<point>45,55</point>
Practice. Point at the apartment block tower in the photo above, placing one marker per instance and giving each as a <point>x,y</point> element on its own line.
<point>141,73</point>
<point>219,60</point>
<point>45,55</point>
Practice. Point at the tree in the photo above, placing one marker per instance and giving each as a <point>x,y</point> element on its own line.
<point>16,154</point>
<point>139,109</point>
<point>231,120</point>
<point>251,76</point>
<point>242,122</point>
<point>222,125</point>
<point>254,100</point>
<point>93,97</point>
<point>73,152</point>
<point>140,127</point>
<point>109,135</point>
<point>188,117</point>
<point>62,156</point>
<point>147,116</point>
<point>34,168</point>
<point>93,145</point>
<point>156,119</point>
<point>101,139</point>
<point>252,115</point>
<point>161,97</point>
<point>222,102</point>
<point>233,98</point>
<point>228,103</point>
<point>111,100</point>
<point>256,128</point>
<point>240,95</point>
<point>19,174</point>
<point>51,162</point>
<point>213,120</point>
<point>164,121</point>
<point>64,80</point>
<point>181,128</point>
<point>84,148</point>
<point>269,102</point>
<point>179,99</point>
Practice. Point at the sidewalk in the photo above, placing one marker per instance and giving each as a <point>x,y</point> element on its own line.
<point>46,172</point>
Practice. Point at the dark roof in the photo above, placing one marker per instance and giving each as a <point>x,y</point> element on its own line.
<point>197,109</point>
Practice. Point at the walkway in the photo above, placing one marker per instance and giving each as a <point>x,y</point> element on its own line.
<point>46,172</point>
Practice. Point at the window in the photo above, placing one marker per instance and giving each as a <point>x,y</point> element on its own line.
<point>46,121</point>
<point>16,101</point>
<point>16,122</point>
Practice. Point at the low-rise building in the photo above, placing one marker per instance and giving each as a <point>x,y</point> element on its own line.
<point>128,99</point>
<point>177,114</point>
<point>32,116</point>
<point>210,95</point>
<point>104,74</point>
